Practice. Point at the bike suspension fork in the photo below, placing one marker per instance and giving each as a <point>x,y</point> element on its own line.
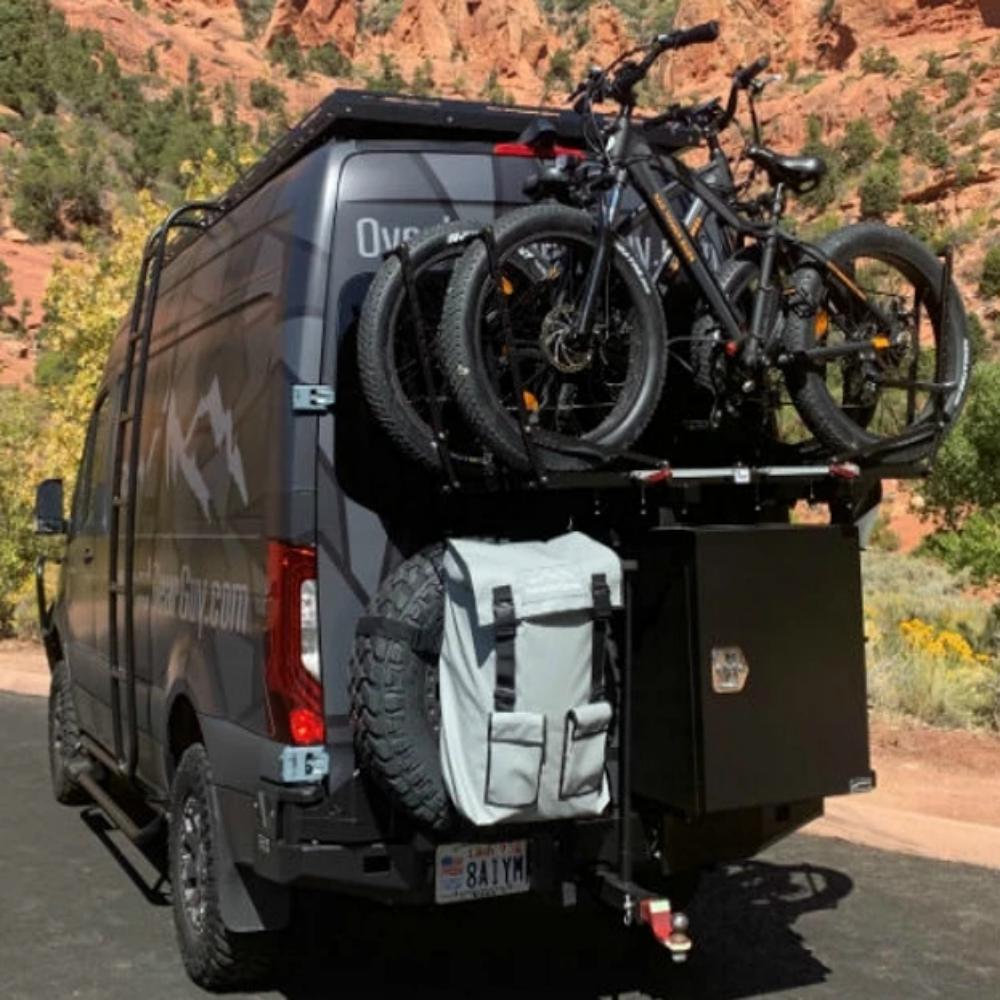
<point>766,298</point>
<point>599,262</point>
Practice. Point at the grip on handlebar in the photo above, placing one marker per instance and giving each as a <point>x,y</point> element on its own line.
<point>700,33</point>
<point>745,76</point>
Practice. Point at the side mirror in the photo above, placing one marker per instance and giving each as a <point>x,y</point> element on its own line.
<point>49,519</point>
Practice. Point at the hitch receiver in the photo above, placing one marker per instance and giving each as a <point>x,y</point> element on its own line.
<point>669,928</point>
<point>639,905</point>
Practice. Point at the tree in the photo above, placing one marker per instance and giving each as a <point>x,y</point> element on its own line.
<point>20,420</point>
<point>964,490</point>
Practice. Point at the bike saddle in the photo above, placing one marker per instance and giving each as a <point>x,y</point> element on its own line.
<point>797,172</point>
<point>539,133</point>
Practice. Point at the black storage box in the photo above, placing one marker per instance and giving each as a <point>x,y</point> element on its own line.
<point>786,600</point>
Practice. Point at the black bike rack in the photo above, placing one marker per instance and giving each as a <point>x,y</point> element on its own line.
<point>840,479</point>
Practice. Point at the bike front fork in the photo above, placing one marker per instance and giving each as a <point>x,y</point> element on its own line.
<point>766,300</point>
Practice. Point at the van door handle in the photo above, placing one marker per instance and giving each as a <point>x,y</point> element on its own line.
<point>88,556</point>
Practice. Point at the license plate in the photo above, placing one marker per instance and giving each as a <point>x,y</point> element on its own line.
<point>480,871</point>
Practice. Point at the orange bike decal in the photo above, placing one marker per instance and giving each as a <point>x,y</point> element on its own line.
<point>676,229</point>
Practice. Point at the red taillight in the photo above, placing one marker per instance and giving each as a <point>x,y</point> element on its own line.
<point>539,152</point>
<point>306,726</point>
<point>294,694</point>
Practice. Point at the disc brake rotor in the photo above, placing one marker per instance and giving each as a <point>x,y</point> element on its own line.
<point>556,343</point>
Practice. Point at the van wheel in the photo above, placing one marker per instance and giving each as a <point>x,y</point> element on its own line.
<point>215,957</point>
<point>64,739</point>
<point>395,707</point>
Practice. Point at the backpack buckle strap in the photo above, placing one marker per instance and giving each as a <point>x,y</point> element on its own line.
<point>505,634</point>
<point>601,613</point>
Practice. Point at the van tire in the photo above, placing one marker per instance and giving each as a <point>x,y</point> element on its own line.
<point>64,739</point>
<point>392,687</point>
<point>215,957</point>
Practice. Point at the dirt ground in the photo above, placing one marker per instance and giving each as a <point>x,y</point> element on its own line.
<point>937,794</point>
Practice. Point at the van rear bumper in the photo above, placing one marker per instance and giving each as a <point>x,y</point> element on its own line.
<point>299,840</point>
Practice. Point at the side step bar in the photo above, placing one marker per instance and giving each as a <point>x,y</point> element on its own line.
<point>137,834</point>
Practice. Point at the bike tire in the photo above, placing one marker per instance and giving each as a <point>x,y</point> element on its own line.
<point>462,359</point>
<point>820,411</point>
<point>384,320</point>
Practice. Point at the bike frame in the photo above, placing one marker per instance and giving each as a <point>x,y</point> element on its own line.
<point>629,155</point>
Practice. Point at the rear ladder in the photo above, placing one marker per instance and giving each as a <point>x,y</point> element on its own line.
<point>124,482</point>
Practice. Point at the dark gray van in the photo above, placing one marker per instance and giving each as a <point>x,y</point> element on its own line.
<point>237,508</point>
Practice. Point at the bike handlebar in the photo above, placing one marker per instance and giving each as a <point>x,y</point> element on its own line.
<point>700,33</point>
<point>743,77</point>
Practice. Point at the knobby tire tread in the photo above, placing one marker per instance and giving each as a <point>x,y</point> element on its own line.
<point>469,385</point>
<point>394,739</point>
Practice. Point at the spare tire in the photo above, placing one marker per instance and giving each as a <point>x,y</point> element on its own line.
<point>394,689</point>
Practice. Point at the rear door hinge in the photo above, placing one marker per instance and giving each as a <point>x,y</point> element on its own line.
<point>313,398</point>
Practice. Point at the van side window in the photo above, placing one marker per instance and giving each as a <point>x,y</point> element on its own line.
<point>91,500</point>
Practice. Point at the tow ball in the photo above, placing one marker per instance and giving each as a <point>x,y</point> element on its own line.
<point>669,928</point>
<point>639,905</point>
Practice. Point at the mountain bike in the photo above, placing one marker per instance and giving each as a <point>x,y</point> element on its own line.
<point>866,330</point>
<point>399,373</point>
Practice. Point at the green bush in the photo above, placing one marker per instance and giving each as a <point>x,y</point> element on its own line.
<point>933,149</point>
<point>826,191</point>
<point>255,14</point>
<point>973,546</point>
<point>957,87</point>
<point>266,96</point>
<point>911,121</point>
<point>560,71</point>
<point>859,144</point>
<point>967,470</point>
<point>329,60</point>
<point>977,336</point>
<point>935,65</point>
<point>423,79</point>
<point>967,169</point>
<point>921,222</point>
<point>7,297</point>
<point>929,650</point>
<point>989,278</point>
<point>493,92</point>
<point>286,51</point>
<point>879,60</point>
<point>388,79</point>
<point>645,17</point>
<point>880,190</point>
<point>377,16</point>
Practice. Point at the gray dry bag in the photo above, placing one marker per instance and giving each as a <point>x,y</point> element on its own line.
<point>524,717</point>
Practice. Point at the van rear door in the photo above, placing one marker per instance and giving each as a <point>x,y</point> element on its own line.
<point>386,195</point>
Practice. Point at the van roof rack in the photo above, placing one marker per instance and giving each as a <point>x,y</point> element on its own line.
<point>366,114</point>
